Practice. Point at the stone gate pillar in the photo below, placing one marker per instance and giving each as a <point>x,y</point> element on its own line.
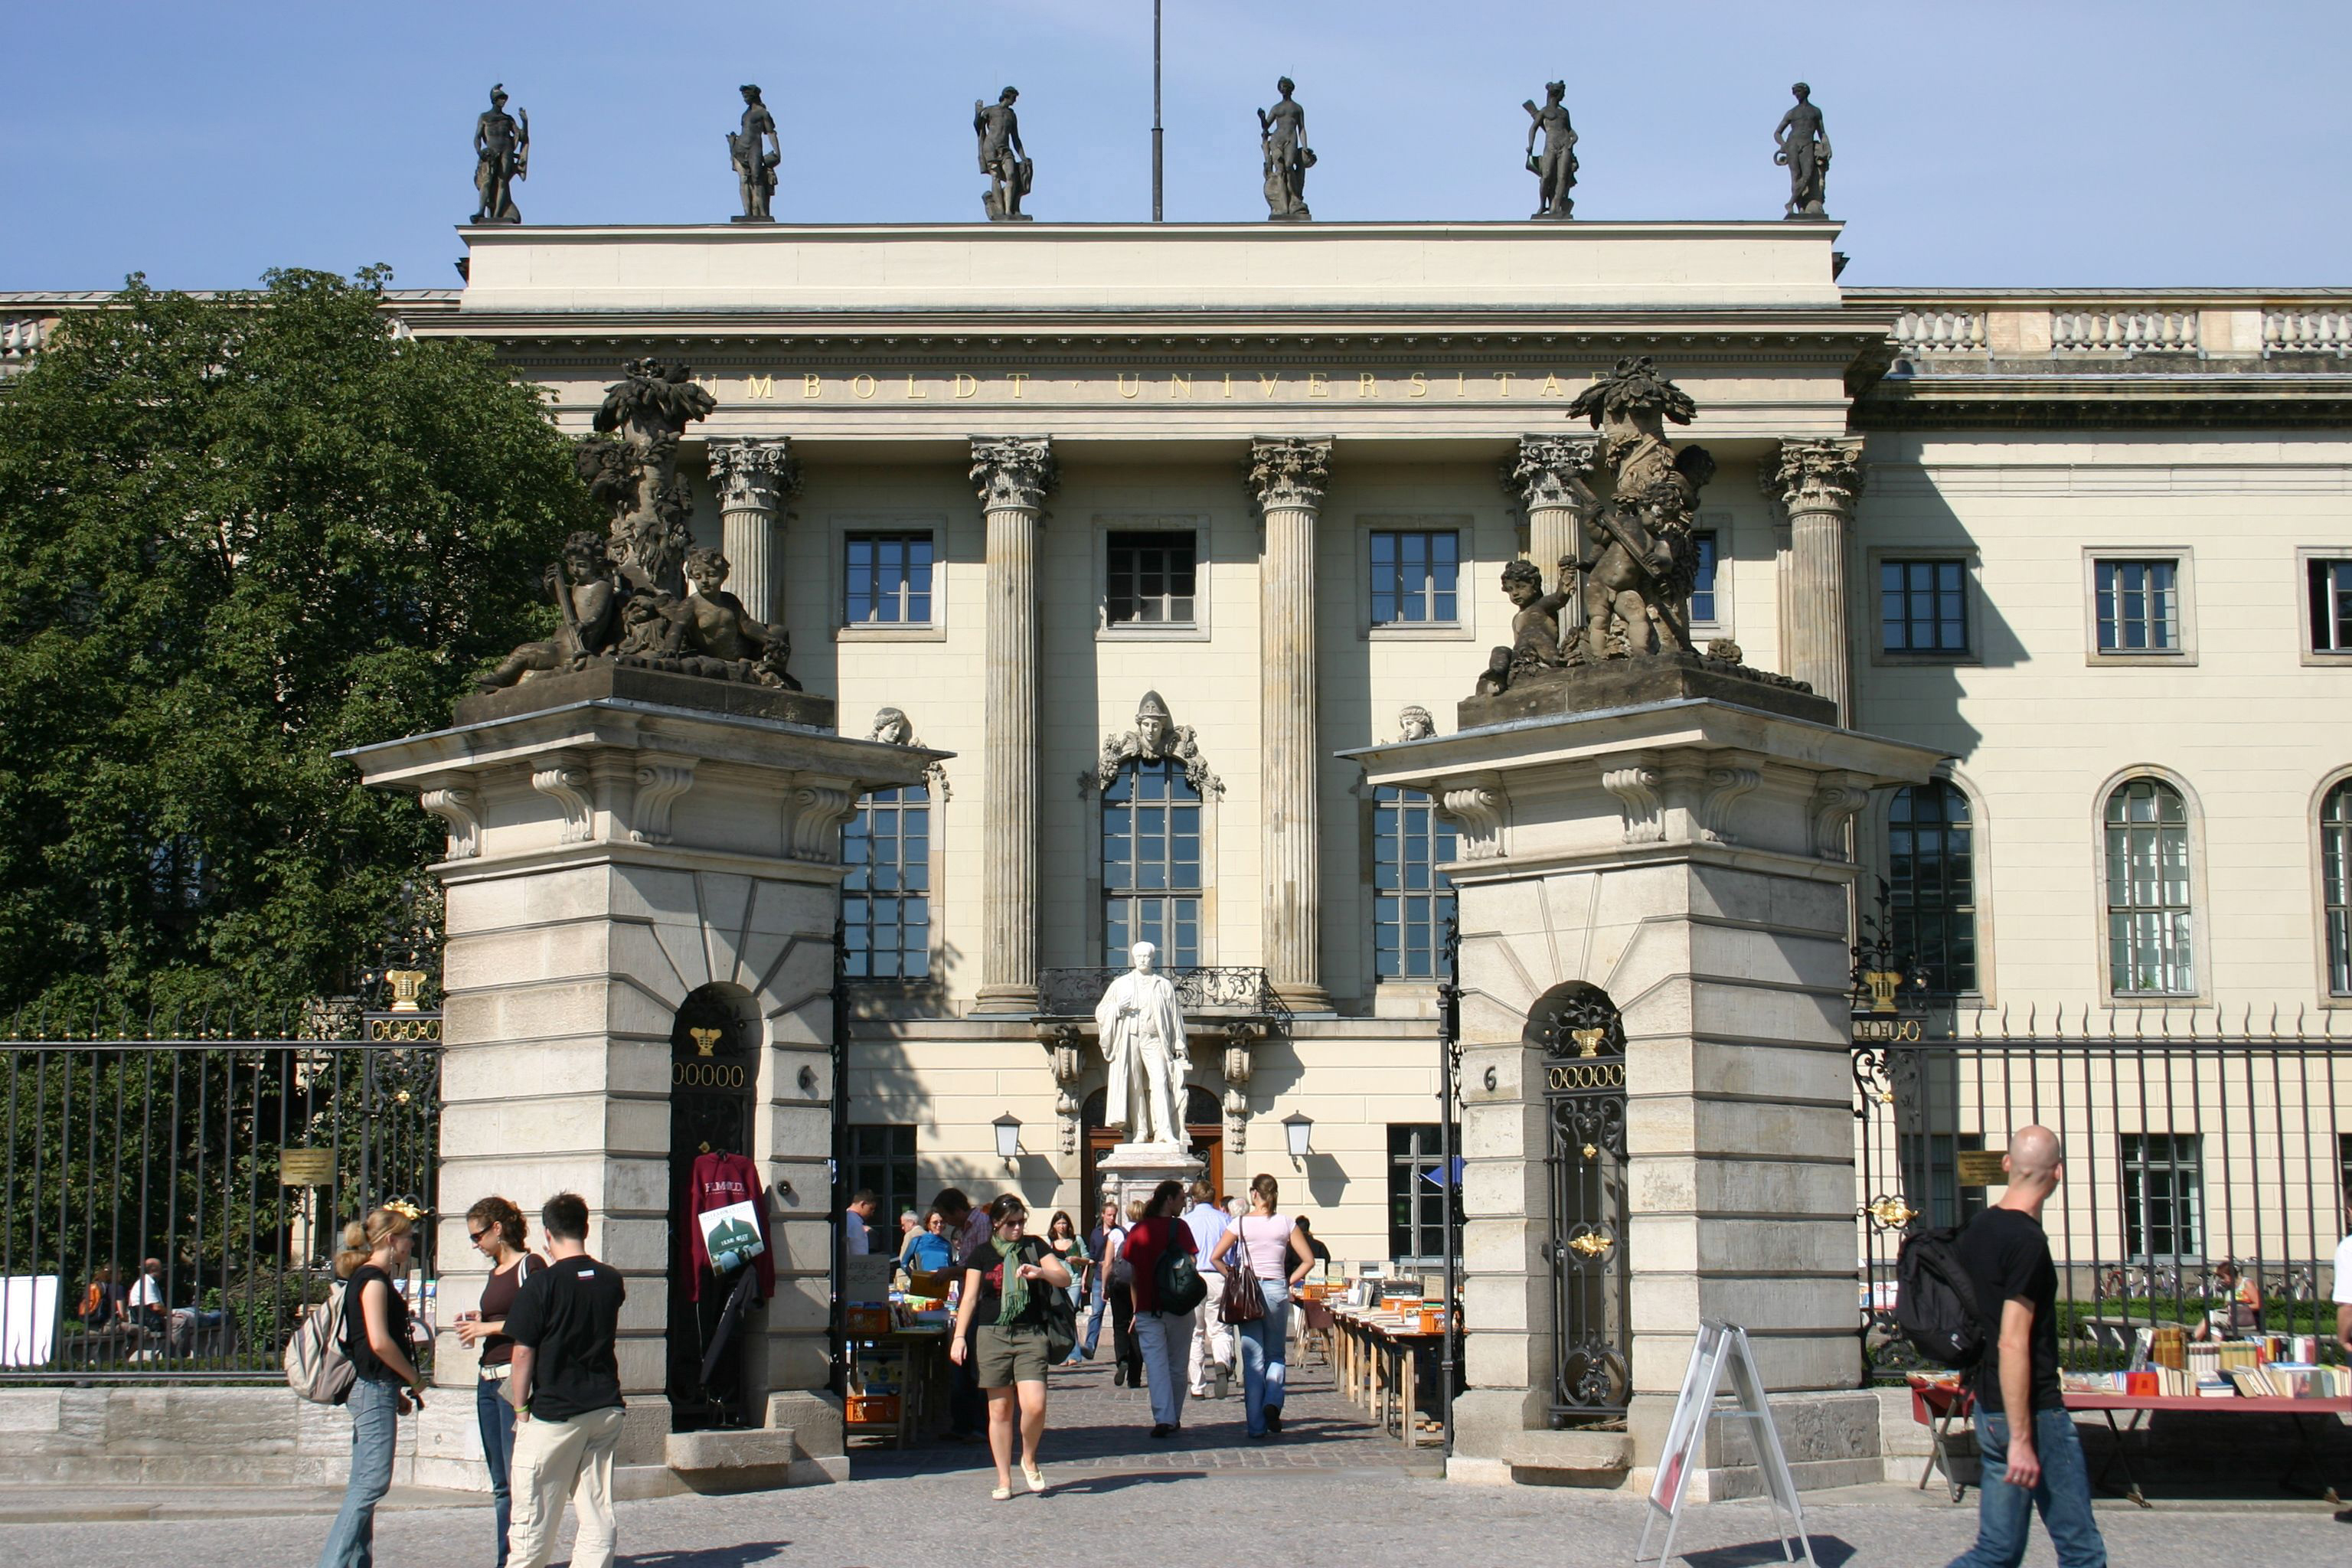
<point>1672,838</point>
<point>612,851</point>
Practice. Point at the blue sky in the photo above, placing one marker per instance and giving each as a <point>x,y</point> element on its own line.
<point>2178,145</point>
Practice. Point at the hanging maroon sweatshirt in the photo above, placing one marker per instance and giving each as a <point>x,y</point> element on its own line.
<point>717,1181</point>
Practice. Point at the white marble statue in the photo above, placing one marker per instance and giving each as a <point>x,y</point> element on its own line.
<point>1143,1040</point>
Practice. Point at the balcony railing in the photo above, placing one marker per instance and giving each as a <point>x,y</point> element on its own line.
<point>1217,990</point>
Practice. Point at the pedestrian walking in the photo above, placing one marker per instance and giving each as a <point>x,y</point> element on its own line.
<point>1062,1236</point>
<point>566,1391</point>
<point>386,1385</point>
<point>1102,1247</point>
<point>1212,1337</point>
<point>2344,1279</point>
<point>1123,1343</point>
<point>1266,1242</point>
<point>1001,1323</point>
<point>1163,1338</point>
<point>2030,1456</point>
<point>966,1232</point>
<point>495,1226</point>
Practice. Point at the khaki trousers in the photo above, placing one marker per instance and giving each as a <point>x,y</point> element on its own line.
<point>553,1460</point>
<point>1212,1337</point>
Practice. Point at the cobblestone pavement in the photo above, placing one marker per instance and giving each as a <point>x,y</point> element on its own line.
<point>1157,1516</point>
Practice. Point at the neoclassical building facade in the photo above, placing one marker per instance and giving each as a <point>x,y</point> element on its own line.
<point>1145,524</point>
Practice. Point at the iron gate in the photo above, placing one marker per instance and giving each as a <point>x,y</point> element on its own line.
<point>1583,1045</point>
<point>227,1149</point>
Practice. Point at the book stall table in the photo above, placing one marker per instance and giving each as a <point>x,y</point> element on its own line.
<point>1378,1351</point>
<point>1939,1405</point>
<point>909,1406</point>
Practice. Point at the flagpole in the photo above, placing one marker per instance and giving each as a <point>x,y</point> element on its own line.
<point>1155,111</point>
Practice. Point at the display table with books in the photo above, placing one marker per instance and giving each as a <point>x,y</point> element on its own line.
<point>1377,1357</point>
<point>1941,1402</point>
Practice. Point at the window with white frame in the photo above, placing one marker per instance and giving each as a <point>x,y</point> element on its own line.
<point>1416,576</point>
<point>2164,1196</point>
<point>2330,587</point>
<point>1151,864</point>
<point>1150,577</point>
<point>1702,599</point>
<point>1923,606</point>
<point>2336,884</point>
<point>2139,605</point>
<point>2149,947</point>
<point>886,579</point>
<point>1931,882</point>
<point>885,894</point>
<point>1417,1179</point>
<point>1411,898</point>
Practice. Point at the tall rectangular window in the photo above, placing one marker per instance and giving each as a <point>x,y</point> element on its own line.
<point>2164,1195</point>
<point>1417,1181</point>
<point>887,579</point>
<point>1150,577</point>
<point>2335,885</point>
<point>1416,575</point>
<point>1923,606</point>
<point>882,1161</point>
<point>2150,950</point>
<point>1931,883</point>
<point>1702,599</point>
<point>2331,607</point>
<point>1151,864</point>
<point>2139,606</point>
<point>1411,899</point>
<point>886,896</point>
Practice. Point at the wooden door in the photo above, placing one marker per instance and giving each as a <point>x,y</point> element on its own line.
<point>1204,1128</point>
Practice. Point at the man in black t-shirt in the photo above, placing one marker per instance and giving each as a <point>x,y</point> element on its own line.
<point>2031,1458</point>
<point>566,1389</point>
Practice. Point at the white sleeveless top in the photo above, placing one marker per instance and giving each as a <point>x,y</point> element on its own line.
<point>1267,1242</point>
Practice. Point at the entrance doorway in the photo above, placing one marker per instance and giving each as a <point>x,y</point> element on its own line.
<point>1204,1128</point>
<point>712,1069</point>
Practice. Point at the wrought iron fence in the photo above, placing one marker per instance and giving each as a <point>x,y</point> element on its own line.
<point>1229,989</point>
<point>1583,1043</point>
<point>228,1151</point>
<point>2205,1180</point>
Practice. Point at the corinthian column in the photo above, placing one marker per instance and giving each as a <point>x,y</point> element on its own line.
<point>1549,479</point>
<point>1816,482</point>
<point>756,482</point>
<point>1288,476</point>
<point>1014,474</point>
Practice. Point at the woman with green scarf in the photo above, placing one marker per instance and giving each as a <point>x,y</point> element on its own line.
<point>1005,1291</point>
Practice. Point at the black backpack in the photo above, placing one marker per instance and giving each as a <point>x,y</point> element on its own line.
<point>1177,1279</point>
<point>1935,1302</point>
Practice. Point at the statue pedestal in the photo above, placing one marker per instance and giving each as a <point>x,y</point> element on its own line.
<point>610,859</point>
<point>1131,1170</point>
<point>1657,1121</point>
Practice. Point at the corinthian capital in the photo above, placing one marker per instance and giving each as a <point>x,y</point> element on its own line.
<point>1550,469</point>
<point>1013,471</point>
<point>1289,470</point>
<point>754,473</point>
<point>1815,476</point>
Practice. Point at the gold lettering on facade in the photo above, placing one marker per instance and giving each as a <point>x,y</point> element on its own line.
<point>1420,385</point>
<point>1317,385</point>
<point>759,386</point>
<point>1269,382</point>
<point>966,385</point>
<point>1019,378</point>
<point>913,395</point>
<point>1179,384</point>
<point>1127,391</point>
<point>1367,385</point>
<point>861,385</point>
<point>812,385</point>
<point>1229,385</point>
<point>1504,376</point>
<point>1457,382</point>
<point>1551,387</point>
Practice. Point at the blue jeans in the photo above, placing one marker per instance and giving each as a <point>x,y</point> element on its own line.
<point>1090,1326</point>
<point>2064,1497</point>
<point>495,1417</point>
<point>375,1423</point>
<point>1264,1352</point>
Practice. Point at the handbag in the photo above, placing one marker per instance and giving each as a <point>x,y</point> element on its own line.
<point>1245,1300</point>
<point>1061,1322</point>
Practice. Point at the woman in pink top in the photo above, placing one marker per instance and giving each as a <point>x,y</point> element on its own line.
<point>1271,1249</point>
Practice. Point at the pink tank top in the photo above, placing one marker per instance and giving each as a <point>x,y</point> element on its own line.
<point>1267,1241</point>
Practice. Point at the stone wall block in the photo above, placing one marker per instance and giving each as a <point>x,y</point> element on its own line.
<point>1662,1182</point>
<point>1502,1247</point>
<point>1736,1069</point>
<point>1748,953</point>
<point>1754,1013</point>
<point>1761,1127</point>
<point>525,1012</point>
<point>1503,1188</point>
<point>1506,1304</point>
<point>1508,1131</point>
<point>478,904</point>
<point>576,948</point>
<point>473,1072</point>
<point>1507,1361</point>
<point>656,894</point>
<point>1823,1244</point>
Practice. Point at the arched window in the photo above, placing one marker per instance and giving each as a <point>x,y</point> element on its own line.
<point>1152,863</point>
<point>886,898</point>
<point>1931,882</point>
<point>2149,947</point>
<point>1411,898</point>
<point>2336,882</point>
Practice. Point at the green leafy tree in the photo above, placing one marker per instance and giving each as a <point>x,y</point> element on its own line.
<point>237,535</point>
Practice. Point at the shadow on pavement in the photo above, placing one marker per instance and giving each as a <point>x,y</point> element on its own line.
<point>1829,1551</point>
<point>747,1556</point>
